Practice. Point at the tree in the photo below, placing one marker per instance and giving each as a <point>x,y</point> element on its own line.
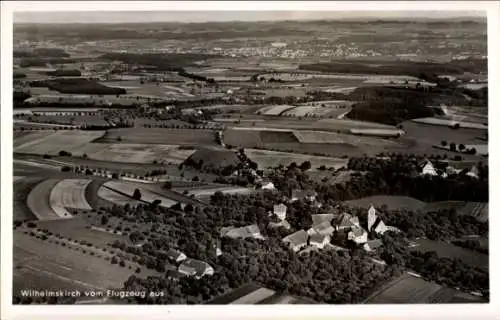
<point>122,263</point>
<point>167,185</point>
<point>114,260</point>
<point>104,220</point>
<point>453,147</point>
<point>138,270</point>
<point>444,143</point>
<point>137,194</point>
<point>306,165</point>
<point>461,147</point>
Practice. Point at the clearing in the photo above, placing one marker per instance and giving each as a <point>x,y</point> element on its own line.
<point>479,210</point>
<point>192,137</point>
<point>443,249</point>
<point>411,289</point>
<point>392,202</point>
<point>39,201</point>
<point>69,193</point>
<point>266,158</point>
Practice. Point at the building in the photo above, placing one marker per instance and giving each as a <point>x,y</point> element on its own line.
<point>428,169</point>
<point>345,221</point>
<point>308,195</point>
<point>296,241</point>
<point>375,224</point>
<point>251,231</point>
<point>319,218</point>
<point>282,223</point>
<point>372,217</point>
<point>319,240</point>
<point>175,256</point>
<point>473,172</point>
<point>280,211</point>
<point>266,185</point>
<point>372,245</point>
<point>195,268</point>
<point>358,235</point>
<point>324,228</point>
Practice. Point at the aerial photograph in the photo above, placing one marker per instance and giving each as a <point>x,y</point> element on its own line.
<point>252,158</point>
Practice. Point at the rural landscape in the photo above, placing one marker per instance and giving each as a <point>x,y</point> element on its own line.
<point>340,161</point>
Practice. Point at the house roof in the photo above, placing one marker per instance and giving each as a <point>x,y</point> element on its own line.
<point>319,218</point>
<point>199,267</point>
<point>317,237</point>
<point>283,224</point>
<point>296,238</point>
<point>358,232</point>
<point>174,254</point>
<point>354,220</point>
<point>345,220</point>
<point>243,232</point>
<point>374,244</point>
<point>325,225</point>
<point>279,208</point>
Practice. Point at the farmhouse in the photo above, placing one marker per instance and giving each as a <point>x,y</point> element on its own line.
<point>473,172</point>
<point>296,240</point>
<point>280,211</point>
<point>428,169</point>
<point>358,235</point>
<point>372,245</point>
<point>265,185</point>
<point>324,228</point>
<point>319,240</point>
<point>346,221</point>
<point>283,224</point>
<point>319,218</point>
<point>251,231</point>
<point>308,195</point>
<point>195,268</point>
<point>175,256</point>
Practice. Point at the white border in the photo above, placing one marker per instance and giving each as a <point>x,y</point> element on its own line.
<point>240,312</point>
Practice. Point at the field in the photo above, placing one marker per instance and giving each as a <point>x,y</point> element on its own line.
<point>444,249</point>
<point>208,191</point>
<point>21,190</point>
<point>73,120</point>
<point>410,289</point>
<point>446,122</point>
<point>41,265</point>
<point>79,143</point>
<point>389,133</point>
<point>78,229</point>
<point>39,201</point>
<point>69,193</point>
<point>478,210</point>
<point>308,142</point>
<point>265,159</point>
<point>392,202</point>
<point>274,110</point>
<point>115,197</point>
<point>146,195</point>
<point>135,152</point>
<point>53,142</point>
<point>160,136</point>
<point>420,138</point>
<point>406,289</point>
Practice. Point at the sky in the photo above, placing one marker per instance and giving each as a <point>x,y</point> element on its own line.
<point>205,16</point>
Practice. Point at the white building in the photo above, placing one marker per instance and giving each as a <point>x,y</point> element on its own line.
<point>428,169</point>
<point>280,211</point>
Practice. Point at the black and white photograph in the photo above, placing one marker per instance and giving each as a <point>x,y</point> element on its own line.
<point>249,157</point>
